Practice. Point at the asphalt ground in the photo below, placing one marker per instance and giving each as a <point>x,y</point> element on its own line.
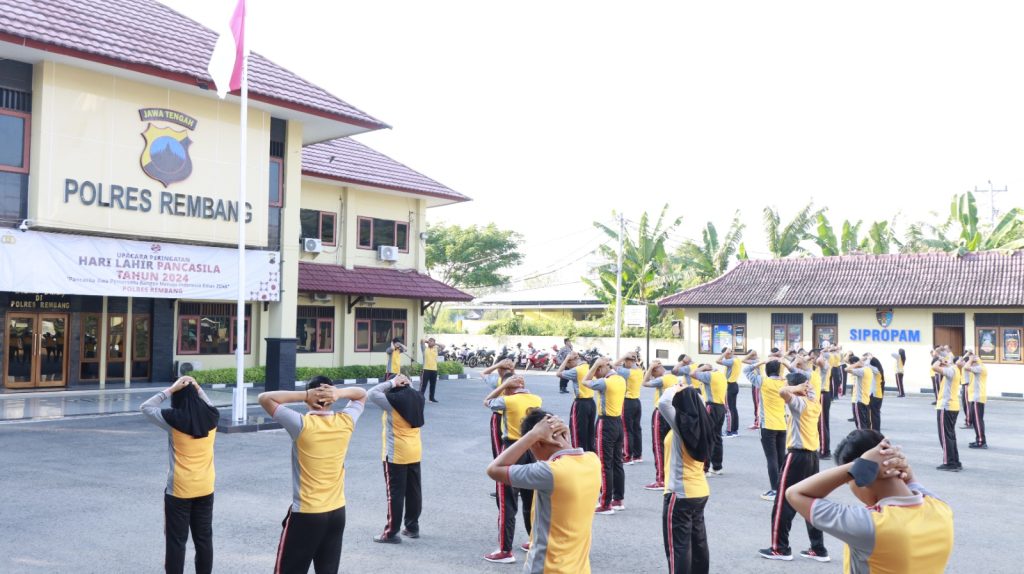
<point>85,495</point>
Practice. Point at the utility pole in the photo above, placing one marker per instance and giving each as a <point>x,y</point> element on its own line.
<point>992,191</point>
<point>618,287</point>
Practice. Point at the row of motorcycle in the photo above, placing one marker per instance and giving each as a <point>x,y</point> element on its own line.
<point>525,358</point>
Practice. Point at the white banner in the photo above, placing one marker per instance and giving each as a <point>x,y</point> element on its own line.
<point>635,315</point>
<point>54,263</point>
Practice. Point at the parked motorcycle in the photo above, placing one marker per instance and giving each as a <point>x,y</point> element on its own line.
<point>539,359</point>
<point>462,354</point>
<point>482,357</point>
<point>591,355</point>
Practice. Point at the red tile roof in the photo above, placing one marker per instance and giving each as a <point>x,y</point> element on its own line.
<point>349,161</point>
<point>148,37</point>
<point>989,279</point>
<point>375,281</point>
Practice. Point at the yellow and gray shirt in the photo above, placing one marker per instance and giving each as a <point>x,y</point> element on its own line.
<point>659,384</point>
<point>513,409</point>
<point>899,362</point>
<point>576,376</point>
<point>802,425</point>
<point>429,357</point>
<point>949,390</point>
<point>977,383</point>
<point>400,442</point>
<point>190,471</point>
<point>684,475</point>
<point>899,534</point>
<point>685,372</point>
<point>611,393</point>
<point>634,381</point>
<point>733,368</point>
<point>772,409</point>
<point>394,365</point>
<point>862,385</point>
<point>320,442</point>
<point>565,487</point>
<point>713,386</point>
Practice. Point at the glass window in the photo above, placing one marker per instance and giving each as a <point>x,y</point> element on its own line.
<point>1011,345</point>
<point>234,332</point>
<point>188,335</point>
<point>402,236</point>
<point>115,338</point>
<point>376,327</point>
<point>383,232</point>
<point>365,233</point>
<point>988,343</point>
<point>276,183</point>
<point>787,337</point>
<point>715,337</point>
<point>325,335</point>
<point>90,367</point>
<point>209,329</point>
<point>327,228</point>
<point>362,335</point>
<point>376,232</point>
<point>315,329</point>
<point>310,219</point>
<point>141,338</point>
<point>13,141</point>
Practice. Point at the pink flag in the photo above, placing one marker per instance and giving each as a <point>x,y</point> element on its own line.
<point>229,53</point>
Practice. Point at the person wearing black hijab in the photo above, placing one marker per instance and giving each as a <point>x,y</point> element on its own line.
<point>878,393</point>
<point>687,447</point>
<point>191,425</point>
<point>401,452</point>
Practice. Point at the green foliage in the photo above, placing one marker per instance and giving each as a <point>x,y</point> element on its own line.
<point>962,232</point>
<point>784,240</point>
<point>879,240</point>
<point>444,325</point>
<point>471,256</point>
<point>259,375</point>
<point>711,257</point>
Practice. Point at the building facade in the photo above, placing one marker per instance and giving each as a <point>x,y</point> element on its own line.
<point>867,303</point>
<point>119,171</point>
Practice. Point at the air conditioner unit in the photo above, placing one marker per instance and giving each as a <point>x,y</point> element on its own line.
<point>322,297</point>
<point>311,245</point>
<point>387,253</point>
<point>369,299</point>
<point>186,367</point>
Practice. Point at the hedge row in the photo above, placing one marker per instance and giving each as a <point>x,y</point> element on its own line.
<point>259,374</point>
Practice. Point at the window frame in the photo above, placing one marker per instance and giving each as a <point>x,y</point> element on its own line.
<point>320,320</point>
<point>25,142</point>
<point>406,224</point>
<point>369,335</point>
<point>1000,343</point>
<point>280,183</point>
<point>359,224</point>
<point>710,328</point>
<point>785,339</point>
<point>334,227</point>
<point>394,235</point>
<point>234,333</point>
<point>181,318</point>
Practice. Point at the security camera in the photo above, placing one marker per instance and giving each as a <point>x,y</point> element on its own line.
<point>24,225</point>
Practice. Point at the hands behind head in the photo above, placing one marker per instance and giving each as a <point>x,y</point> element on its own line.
<point>892,463</point>
<point>320,398</point>
<point>515,382</point>
<point>507,364</point>
<point>550,430</point>
<point>181,383</point>
<point>401,381</point>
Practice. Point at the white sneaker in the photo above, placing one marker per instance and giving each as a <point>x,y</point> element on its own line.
<point>716,472</point>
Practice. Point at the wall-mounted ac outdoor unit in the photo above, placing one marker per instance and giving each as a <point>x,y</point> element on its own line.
<point>387,253</point>
<point>311,245</point>
<point>322,297</point>
<point>186,367</point>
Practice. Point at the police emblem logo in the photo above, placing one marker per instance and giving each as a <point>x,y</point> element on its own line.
<point>884,316</point>
<point>165,155</point>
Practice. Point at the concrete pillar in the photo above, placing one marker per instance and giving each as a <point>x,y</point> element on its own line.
<point>101,346</point>
<point>129,334</point>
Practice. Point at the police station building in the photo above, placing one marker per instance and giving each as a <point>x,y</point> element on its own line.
<point>119,171</point>
<point>867,303</point>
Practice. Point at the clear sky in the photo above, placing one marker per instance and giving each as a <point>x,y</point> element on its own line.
<point>550,114</point>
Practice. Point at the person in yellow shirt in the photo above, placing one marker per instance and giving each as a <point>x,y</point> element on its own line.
<point>733,366</point>
<point>632,434</point>
<point>860,396</point>
<point>658,379</point>
<point>494,376</point>
<point>513,401</point>
<point>583,412</point>
<point>191,425</point>
<point>394,354</point>
<point>766,378</point>
<point>901,363</point>
<point>687,449</point>
<point>947,409</point>
<point>313,530</point>
<point>428,378</point>
<point>610,389</point>
<point>401,452</point>
<point>565,482</point>
<point>801,461</point>
<point>977,395</point>
<point>899,526</point>
<point>715,387</point>
<point>877,390</point>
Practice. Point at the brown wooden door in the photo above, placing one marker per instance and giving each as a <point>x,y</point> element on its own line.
<point>952,336</point>
<point>37,345</point>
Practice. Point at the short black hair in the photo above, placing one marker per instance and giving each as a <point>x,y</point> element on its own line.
<point>775,349</point>
<point>533,416</point>
<point>794,379</point>
<point>857,443</point>
<point>396,340</point>
<point>771,368</point>
<point>318,381</point>
<point>681,358</point>
<point>565,340</point>
<point>854,359</point>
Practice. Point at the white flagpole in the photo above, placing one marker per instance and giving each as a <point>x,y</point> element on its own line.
<point>238,406</point>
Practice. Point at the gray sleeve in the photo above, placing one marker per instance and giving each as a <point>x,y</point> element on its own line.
<point>949,373</point>
<point>354,409</point>
<point>666,409</point>
<point>622,372</point>
<point>703,376</point>
<point>917,486</point>
<point>376,395</point>
<point>796,404</point>
<point>975,369</point>
<point>535,476</point>
<point>851,524</point>
<point>596,384</point>
<point>492,379</point>
<point>753,375</point>
<point>570,374</point>
<point>497,404</point>
<point>289,419</point>
<point>896,355</point>
<point>656,383</point>
<point>151,409</point>
<point>728,362</point>
<point>857,372</point>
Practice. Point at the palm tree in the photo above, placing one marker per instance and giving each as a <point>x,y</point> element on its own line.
<point>710,258</point>
<point>962,232</point>
<point>879,240</point>
<point>784,240</point>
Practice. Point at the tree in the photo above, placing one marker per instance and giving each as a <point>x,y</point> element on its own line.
<point>962,232</point>
<point>467,257</point>
<point>710,258</point>
<point>784,240</point>
<point>647,274</point>
<point>879,240</point>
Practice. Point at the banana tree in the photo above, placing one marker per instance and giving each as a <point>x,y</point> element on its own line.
<point>785,240</point>
<point>710,258</point>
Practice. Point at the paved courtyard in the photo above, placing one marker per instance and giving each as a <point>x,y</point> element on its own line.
<point>84,495</point>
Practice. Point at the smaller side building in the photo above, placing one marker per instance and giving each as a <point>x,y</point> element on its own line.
<point>867,303</point>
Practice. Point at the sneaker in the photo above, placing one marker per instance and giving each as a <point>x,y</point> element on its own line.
<point>933,402</point>
<point>638,461</point>
<point>409,534</point>
<point>732,434</point>
<point>817,556</point>
<point>655,486</point>
<point>716,472</point>
<point>769,496</point>
<point>434,401</point>
<point>966,426</point>
<point>825,456</point>
<point>500,557</point>
<point>950,467</point>
<point>618,505</point>
<point>773,555</point>
<point>976,445</point>
<point>850,420</point>
<point>494,495</point>
<point>525,546</point>
<point>387,539</point>
<point>604,510</point>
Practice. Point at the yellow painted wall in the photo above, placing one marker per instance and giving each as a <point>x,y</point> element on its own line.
<point>86,127</point>
<point>367,203</point>
<point>545,314</point>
